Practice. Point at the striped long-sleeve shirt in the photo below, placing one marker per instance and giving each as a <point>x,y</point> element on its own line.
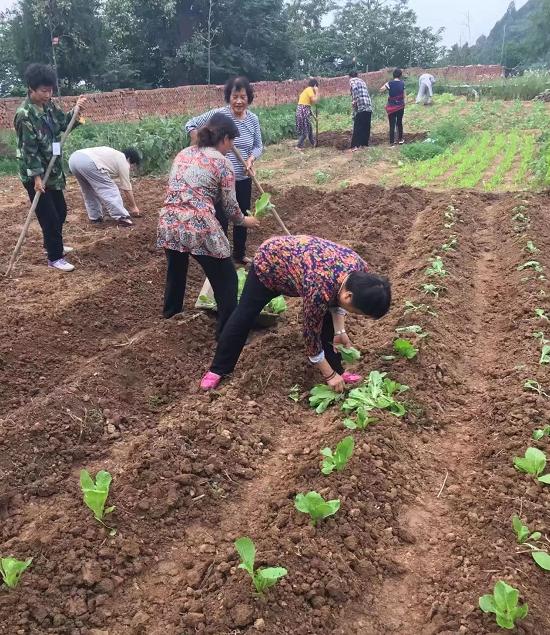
<point>249,141</point>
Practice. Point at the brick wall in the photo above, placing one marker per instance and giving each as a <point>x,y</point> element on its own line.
<point>133,105</point>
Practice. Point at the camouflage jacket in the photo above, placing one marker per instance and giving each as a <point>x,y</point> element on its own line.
<point>36,132</point>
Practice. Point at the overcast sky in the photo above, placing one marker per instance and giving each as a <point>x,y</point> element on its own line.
<point>451,14</point>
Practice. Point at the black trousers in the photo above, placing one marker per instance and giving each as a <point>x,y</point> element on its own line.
<point>233,338</point>
<point>51,213</point>
<point>220,273</point>
<point>243,190</point>
<point>396,121</point>
<point>361,129</point>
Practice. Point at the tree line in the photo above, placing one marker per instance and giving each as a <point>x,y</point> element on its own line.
<point>108,44</point>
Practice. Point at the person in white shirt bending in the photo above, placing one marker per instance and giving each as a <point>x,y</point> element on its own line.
<point>95,169</point>
<point>425,89</point>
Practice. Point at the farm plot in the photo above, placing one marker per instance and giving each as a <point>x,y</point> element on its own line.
<point>93,379</point>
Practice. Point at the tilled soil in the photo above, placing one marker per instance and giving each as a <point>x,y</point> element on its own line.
<point>93,378</point>
<point>342,140</point>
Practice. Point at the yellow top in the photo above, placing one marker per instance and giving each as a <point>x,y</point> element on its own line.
<point>306,97</point>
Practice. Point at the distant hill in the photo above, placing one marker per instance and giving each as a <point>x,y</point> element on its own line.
<point>520,38</point>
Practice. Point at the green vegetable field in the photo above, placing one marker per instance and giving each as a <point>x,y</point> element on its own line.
<point>415,502</point>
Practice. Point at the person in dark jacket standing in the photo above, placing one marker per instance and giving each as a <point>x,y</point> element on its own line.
<point>362,112</point>
<point>396,105</point>
<point>38,125</point>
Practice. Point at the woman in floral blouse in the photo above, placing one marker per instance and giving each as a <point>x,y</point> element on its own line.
<point>200,177</point>
<point>331,279</point>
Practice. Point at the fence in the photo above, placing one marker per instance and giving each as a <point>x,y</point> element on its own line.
<point>133,105</point>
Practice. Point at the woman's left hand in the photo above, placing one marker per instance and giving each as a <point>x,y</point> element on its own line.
<point>342,340</point>
<point>250,166</point>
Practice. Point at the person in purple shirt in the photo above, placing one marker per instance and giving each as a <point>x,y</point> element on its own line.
<point>396,105</point>
<point>331,279</point>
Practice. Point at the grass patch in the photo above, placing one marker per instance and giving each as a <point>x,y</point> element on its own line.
<point>526,87</point>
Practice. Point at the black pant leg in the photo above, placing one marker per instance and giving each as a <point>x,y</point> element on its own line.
<point>243,190</point>
<point>60,206</point>
<point>361,129</point>
<point>368,121</point>
<point>176,281</point>
<point>48,218</point>
<point>223,278</point>
<point>327,337</point>
<point>392,120</point>
<point>233,337</point>
<point>400,114</point>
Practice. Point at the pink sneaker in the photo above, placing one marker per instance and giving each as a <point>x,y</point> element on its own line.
<point>351,378</point>
<point>210,381</point>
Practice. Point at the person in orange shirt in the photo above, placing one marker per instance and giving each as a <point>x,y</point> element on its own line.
<point>304,114</point>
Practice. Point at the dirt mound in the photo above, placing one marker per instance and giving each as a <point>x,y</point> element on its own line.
<point>342,140</point>
<point>93,378</point>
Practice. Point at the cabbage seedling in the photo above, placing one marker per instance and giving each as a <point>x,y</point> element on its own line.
<point>321,177</point>
<point>277,305</point>
<point>405,348</point>
<point>322,396</point>
<point>504,603</point>
<point>534,386</point>
<point>338,459</point>
<point>411,307</point>
<point>436,268</point>
<point>261,578</point>
<point>432,289</point>
<point>11,570</point>
<point>263,205</point>
<point>530,247</point>
<point>540,434</point>
<point>377,393</point>
<point>414,328</point>
<point>545,355</point>
<point>316,506</point>
<point>361,421</point>
<point>540,313</point>
<point>533,463</point>
<point>349,355</point>
<point>95,494</point>
<point>294,393</point>
<point>523,533</point>
<point>531,264</point>
<point>450,244</point>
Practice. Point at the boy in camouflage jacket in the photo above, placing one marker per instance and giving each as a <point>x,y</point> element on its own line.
<point>38,124</point>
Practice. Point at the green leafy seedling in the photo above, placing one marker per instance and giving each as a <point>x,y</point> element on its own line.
<point>321,177</point>
<point>411,307</point>
<point>338,459</point>
<point>436,268</point>
<point>294,393</point>
<point>523,533</point>
<point>413,329</point>
<point>541,433</point>
<point>343,185</point>
<point>361,421</point>
<point>530,247</point>
<point>263,205</point>
<point>96,493</point>
<point>316,506</point>
<point>541,314</point>
<point>533,463</point>
<point>11,570</point>
<point>378,392</point>
<point>262,579</point>
<point>277,306</point>
<point>432,289</point>
<point>349,355</point>
<point>322,396</point>
<point>542,558</point>
<point>450,245</point>
<point>545,355</point>
<point>405,348</point>
<point>504,603</point>
<point>534,386</point>
<point>531,264</point>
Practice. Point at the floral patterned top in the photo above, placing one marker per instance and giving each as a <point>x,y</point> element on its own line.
<point>200,177</point>
<point>309,267</point>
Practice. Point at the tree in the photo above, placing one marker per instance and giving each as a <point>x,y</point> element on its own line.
<point>9,77</point>
<point>78,29</point>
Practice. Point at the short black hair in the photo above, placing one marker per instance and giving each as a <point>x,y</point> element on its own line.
<point>132,155</point>
<point>238,83</point>
<point>313,82</point>
<point>371,294</point>
<point>397,73</point>
<point>218,127</point>
<point>37,75</point>
<point>353,74</point>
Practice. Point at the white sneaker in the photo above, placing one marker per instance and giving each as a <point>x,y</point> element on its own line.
<point>61,264</point>
<point>67,250</point>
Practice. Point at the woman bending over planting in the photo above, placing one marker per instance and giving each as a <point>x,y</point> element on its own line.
<point>304,114</point>
<point>239,94</point>
<point>331,279</point>
<point>201,176</point>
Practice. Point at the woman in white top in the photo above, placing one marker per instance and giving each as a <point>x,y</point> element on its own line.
<point>95,169</point>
